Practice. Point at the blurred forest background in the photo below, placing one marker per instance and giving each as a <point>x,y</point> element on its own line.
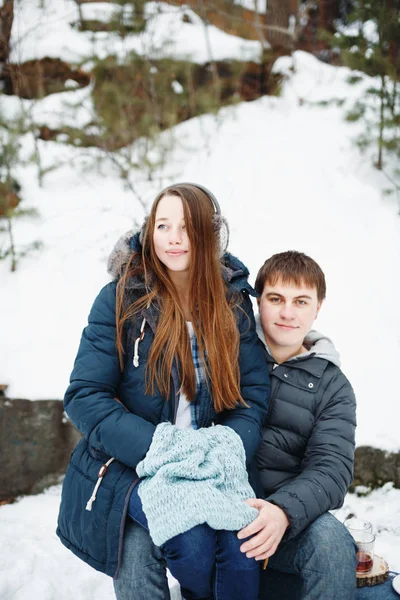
<point>136,95</point>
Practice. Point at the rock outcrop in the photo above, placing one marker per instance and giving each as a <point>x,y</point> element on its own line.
<point>36,441</point>
<point>374,467</point>
<point>39,78</point>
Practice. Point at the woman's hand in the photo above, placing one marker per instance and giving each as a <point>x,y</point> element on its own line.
<point>267,530</point>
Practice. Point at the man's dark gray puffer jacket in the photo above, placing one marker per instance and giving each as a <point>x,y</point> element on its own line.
<point>306,457</point>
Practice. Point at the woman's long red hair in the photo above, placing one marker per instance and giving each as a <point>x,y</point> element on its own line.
<point>212,312</point>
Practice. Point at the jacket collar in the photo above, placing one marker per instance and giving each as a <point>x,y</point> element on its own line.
<point>309,362</point>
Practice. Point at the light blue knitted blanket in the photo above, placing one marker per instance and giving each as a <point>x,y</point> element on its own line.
<point>193,477</point>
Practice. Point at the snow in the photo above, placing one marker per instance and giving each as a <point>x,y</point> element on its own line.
<point>51,32</point>
<point>259,6</point>
<point>72,108</point>
<point>288,176</point>
<point>34,562</point>
<point>36,565</point>
<point>368,29</point>
<point>46,31</point>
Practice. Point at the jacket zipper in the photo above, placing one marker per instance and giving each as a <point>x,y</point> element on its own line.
<point>272,397</point>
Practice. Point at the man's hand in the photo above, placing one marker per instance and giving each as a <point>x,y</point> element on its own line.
<point>270,526</point>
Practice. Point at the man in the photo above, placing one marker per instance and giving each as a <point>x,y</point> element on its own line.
<point>306,457</point>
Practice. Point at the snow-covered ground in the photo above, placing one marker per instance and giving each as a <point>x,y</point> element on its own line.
<point>35,565</point>
<point>287,175</point>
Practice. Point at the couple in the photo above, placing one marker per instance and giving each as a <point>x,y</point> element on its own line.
<point>205,449</point>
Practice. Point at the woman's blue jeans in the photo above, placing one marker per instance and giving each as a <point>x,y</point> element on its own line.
<point>208,564</point>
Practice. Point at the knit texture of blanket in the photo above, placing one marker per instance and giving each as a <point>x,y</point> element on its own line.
<point>193,477</point>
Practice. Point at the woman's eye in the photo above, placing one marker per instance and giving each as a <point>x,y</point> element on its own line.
<point>161,226</point>
<point>274,300</point>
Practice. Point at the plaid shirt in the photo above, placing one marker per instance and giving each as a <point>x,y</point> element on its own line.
<point>200,377</point>
<point>197,361</point>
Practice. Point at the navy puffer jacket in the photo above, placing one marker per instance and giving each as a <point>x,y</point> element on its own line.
<point>117,418</point>
<point>306,456</point>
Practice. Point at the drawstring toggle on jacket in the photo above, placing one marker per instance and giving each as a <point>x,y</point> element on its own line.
<point>102,472</point>
<point>136,347</point>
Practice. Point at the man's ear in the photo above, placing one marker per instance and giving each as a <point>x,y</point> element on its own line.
<point>318,308</point>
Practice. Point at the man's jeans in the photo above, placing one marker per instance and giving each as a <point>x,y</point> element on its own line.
<point>319,564</point>
<point>207,563</point>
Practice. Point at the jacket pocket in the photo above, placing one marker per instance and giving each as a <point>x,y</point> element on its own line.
<point>93,534</point>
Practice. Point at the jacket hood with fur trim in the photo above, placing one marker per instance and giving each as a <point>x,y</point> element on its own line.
<point>233,270</point>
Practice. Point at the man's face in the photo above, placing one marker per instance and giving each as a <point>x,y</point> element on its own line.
<point>287,313</point>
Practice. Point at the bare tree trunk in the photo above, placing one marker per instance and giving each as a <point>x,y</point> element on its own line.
<point>38,159</point>
<point>153,94</point>
<point>6,21</point>
<point>214,69</point>
<point>191,91</point>
<point>81,20</point>
<point>382,95</point>
<point>12,245</point>
<point>259,27</point>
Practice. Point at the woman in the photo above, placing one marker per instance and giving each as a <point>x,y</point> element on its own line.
<point>171,340</point>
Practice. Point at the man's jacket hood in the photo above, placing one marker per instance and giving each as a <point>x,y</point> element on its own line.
<point>317,344</point>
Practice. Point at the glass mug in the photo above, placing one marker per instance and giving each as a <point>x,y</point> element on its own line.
<point>355,525</point>
<point>365,554</point>
<point>365,540</point>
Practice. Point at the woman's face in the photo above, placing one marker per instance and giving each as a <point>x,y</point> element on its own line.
<point>170,237</point>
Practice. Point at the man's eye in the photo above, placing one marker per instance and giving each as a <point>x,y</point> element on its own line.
<point>274,300</point>
<point>301,302</point>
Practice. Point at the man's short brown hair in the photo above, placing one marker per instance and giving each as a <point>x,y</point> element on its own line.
<point>294,268</point>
